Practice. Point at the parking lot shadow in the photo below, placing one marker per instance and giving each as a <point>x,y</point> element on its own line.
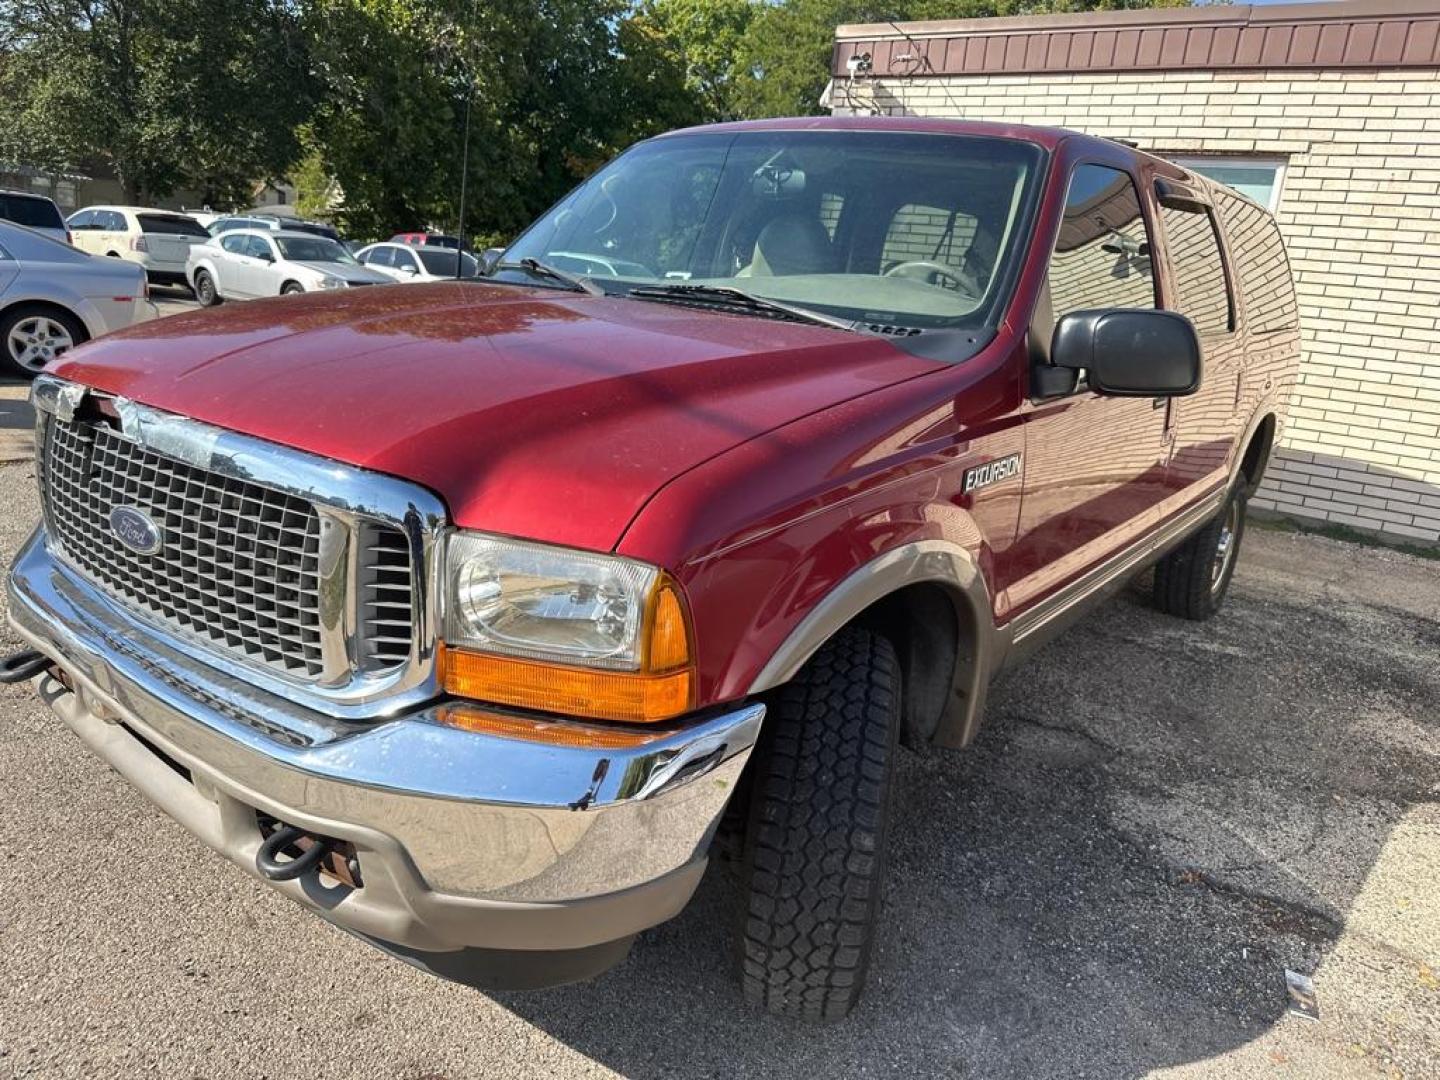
<point>1159,818</point>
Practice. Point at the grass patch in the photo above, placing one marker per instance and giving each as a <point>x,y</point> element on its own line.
<point>1332,531</point>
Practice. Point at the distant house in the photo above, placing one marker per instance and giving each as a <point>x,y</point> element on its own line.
<point>1329,114</point>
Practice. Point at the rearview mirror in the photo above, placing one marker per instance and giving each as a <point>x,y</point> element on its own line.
<point>489,260</point>
<point>1130,352</point>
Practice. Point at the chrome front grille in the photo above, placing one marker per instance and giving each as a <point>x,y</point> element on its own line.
<point>387,603</point>
<point>241,566</point>
<point>238,566</point>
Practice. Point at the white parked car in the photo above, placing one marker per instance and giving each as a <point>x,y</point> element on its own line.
<point>34,212</point>
<point>405,263</point>
<point>246,263</point>
<point>159,240</point>
<point>53,297</point>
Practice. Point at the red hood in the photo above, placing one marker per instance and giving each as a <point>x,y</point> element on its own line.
<point>531,412</point>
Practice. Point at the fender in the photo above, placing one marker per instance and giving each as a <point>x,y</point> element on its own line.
<point>938,562</point>
<point>66,300</point>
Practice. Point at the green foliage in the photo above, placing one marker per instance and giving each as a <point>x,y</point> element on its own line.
<point>706,36</point>
<point>170,93</point>
<point>553,88</point>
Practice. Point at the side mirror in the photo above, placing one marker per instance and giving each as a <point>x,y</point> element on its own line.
<point>1130,352</point>
<point>408,269</point>
<point>489,260</point>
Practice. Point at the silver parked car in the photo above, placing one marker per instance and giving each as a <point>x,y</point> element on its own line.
<point>53,297</point>
<point>248,263</point>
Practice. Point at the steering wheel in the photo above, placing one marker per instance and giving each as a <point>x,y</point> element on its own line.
<point>929,272</point>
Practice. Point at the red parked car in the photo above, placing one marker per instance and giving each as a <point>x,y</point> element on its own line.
<point>476,615</point>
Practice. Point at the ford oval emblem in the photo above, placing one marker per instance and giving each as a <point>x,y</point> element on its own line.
<point>135,530</point>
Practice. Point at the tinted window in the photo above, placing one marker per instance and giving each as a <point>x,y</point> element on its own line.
<point>920,233</point>
<point>1201,291</point>
<point>85,219</point>
<point>257,248</point>
<point>1102,255</point>
<point>234,244</point>
<point>110,221</point>
<point>441,262</point>
<point>171,225</point>
<point>1265,279</point>
<point>31,212</point>
<point>380,256</point>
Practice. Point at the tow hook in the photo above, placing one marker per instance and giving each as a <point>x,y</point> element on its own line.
<point>23,666</point>
<point>305,851</point>
<point>289,836</point>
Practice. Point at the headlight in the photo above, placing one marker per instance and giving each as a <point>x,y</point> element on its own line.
<point>328,282</point>
<point>563,631</point>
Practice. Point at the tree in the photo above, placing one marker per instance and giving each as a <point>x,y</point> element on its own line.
<point>554,88</point>
<point>706,35</point>
<point>168,93</point>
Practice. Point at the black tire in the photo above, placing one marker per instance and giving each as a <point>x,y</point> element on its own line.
<point>290,288</point>
<point>205,291</point>
<point>17,316</point>
<point>1192,580</point>
<point>814,853</point>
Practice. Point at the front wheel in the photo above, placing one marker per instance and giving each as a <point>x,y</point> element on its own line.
<point>814,849</point>
<point>1192,580</point>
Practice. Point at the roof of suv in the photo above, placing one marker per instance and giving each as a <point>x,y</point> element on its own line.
<point>1047,137</point>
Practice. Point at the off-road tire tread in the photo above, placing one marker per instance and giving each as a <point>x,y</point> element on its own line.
<point>1182,578</point>
<point>814,848</point>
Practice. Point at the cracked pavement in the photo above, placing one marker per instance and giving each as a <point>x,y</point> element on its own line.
<point>1159,818</point>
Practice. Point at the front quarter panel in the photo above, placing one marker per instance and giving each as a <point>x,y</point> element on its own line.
<point>761,537</point>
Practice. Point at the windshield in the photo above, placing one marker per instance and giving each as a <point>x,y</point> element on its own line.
<point>442,262</point>
<point>313,249</point>
<point>884,227</point>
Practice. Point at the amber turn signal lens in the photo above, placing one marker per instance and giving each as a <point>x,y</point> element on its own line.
<point>553,732</point>
<point>636,697</point>
<point>669,644</point>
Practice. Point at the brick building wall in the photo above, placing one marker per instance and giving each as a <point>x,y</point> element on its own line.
<point>1360,213</point>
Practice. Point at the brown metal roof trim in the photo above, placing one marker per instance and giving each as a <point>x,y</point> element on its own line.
<point>1355,34</point>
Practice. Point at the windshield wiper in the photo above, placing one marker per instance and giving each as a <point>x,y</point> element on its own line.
<point>536,268</point>
<point>733,297</point>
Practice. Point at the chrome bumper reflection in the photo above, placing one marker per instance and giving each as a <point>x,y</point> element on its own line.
<point>465,838</point>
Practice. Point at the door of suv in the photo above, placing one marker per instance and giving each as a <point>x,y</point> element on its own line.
<point>1095,467</point>
<point>1199,286</point>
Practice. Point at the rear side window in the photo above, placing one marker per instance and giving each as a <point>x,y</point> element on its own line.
<point>31,212</point>
<point>1265,279</point>
<point>171,225</point>
<point>920,233</point>
<point>234,243</point>
<point>1202,291</point>
<point>1102,255</point>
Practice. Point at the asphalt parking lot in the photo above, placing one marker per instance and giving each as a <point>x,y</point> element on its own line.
<point>1159,819</point>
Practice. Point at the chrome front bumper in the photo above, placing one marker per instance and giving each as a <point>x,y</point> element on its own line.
<point>465,840</point>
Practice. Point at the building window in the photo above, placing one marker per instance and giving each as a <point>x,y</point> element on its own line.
<point>1257,178</point>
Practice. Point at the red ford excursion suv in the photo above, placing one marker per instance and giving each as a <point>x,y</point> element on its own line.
<point>474,615</point>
